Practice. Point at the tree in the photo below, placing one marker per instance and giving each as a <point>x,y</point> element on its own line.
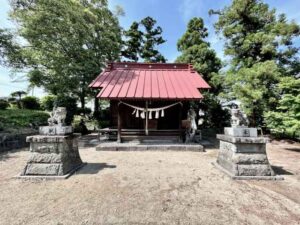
<point>9,50</point>
<point>260,46</point>
<point>197,51</point>
<point>66,42</point>
<point>30,102</point>
<point>152,38</point>
<point>133,42</point>
<point>286,117</point>
<point>18,95</point>
<point>141,40</point>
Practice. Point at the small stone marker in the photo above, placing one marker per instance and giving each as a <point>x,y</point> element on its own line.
<point>242,154</point>
<point>54,152</point>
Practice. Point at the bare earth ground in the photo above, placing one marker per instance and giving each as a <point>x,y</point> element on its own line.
<point>152,188</point>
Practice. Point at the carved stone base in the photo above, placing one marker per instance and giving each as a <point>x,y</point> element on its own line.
<point>52,155</point>
<point>244,156</point>
<point>55,130</point>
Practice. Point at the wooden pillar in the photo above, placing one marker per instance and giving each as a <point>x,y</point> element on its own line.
<point>119,125</point>
<point>146,125</point>
<point>180,119</point>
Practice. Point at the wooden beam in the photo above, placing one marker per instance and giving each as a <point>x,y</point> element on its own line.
<point>119,124</point>
<point>146,125</point>
<point>180,119</point>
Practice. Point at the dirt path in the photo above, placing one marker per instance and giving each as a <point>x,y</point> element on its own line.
<point>152,188</point>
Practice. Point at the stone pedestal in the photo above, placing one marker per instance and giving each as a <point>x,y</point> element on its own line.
<point>242,154</point>
<point>53,153</point>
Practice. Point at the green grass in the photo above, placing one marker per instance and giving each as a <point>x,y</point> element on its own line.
<point>16,119</point>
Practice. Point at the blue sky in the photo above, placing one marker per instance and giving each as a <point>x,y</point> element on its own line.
<point>171,15</point>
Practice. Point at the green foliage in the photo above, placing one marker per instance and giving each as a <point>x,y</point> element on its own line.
<point>17,95</point>
<point>197,51</point>
<point>3,104</point>
<point>194,35</point>
<point>47,102</point>
<point>67,42</point>
<point>286,117</point>
<point>71,105</point>
<point>30,102</point>
<point>15,119</point>
<point>215,116</point>
<point>10,51</point>
<point>152,38</point>
<point>141,43</point>
<point>260,46</point>
<point>133,42</point>
<point>255,87</point>
<point>85,111</point>
<point>79,125</point>
<point>253,33</point>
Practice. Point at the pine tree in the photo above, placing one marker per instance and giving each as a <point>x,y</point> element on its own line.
<point>286,117</point>
<point>151,39</point>
<point>141,41</point>
<point>196,50</point>
<point>260,46</point>
<point>133,42</point>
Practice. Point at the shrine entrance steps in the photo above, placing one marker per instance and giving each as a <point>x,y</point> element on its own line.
<point>148,146</point>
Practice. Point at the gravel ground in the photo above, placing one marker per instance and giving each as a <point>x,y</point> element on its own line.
<point>152,188</point>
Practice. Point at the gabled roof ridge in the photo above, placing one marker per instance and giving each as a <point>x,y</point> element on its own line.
<point>148,66</point>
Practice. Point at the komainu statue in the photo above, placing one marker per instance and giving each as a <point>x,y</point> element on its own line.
<point>57,116</point>
<point>191,130</point>
<point>237,118</point>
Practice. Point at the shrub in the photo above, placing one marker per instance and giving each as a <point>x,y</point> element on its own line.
<point>47,102</point>
<point>3,104</point>
<point>30,102</point>
<point>85,111</point>
<point>79,125</point>
<point>22,118</point>
<point>71,105</point>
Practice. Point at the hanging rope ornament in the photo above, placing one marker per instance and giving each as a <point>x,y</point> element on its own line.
<point>143,115</point>
<point>156,114</point>
<point>137,113</point>
<point>201,113</point>
<point>141,112</point>
<point>150,115</point>
<point>162,113</point>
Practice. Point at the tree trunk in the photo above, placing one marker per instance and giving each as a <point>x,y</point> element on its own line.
<point>82,102</point>
<point>96,108</point>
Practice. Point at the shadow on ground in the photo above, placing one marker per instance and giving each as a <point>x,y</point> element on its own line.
<point>295,149</point>
<point>9,154</point>
<point>94,168</point>
<point>279,170</point>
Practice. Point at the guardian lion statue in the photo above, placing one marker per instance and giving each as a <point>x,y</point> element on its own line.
<point>238,119</point>
<point>57,116</point>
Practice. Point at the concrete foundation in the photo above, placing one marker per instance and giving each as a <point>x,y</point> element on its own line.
<point>244,157</point>
<point>54,153</point>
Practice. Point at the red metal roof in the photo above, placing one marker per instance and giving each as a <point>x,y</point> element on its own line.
<point>149,81</point>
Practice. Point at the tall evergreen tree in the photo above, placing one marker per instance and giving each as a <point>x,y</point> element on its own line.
<point>152,38</point>
<point>196,50</point>
<point>260,45</point>
<point>141,41</point>
<point>133,42</point>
